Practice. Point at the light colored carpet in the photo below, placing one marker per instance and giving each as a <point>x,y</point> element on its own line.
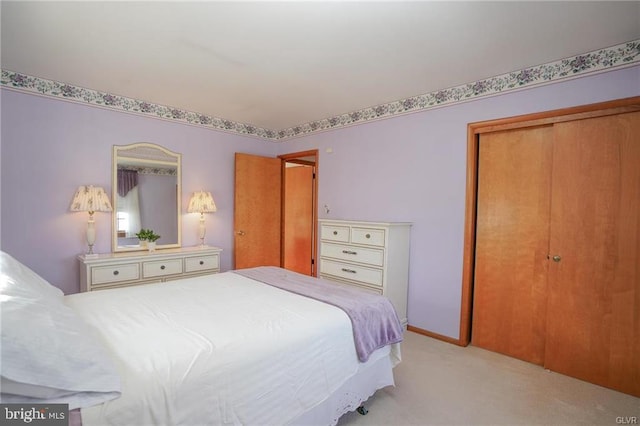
<point>438,383</point>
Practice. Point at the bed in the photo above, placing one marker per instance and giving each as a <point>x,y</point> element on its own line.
<point>230,348</point>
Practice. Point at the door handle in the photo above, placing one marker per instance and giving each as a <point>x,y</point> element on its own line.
<point>241,233</point>
<point>555,258</point>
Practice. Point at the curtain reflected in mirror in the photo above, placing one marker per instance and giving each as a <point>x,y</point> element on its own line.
<point>128,202</point>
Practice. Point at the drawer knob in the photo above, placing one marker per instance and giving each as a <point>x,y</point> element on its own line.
<point>368,236</point>
<point>202,262</point>
<point>349,252</point>
<point>335,232</point>
<point>162,267</point>
<point>116,272</point>
<point>351,271</point>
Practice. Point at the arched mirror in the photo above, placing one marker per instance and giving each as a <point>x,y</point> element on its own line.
<point>146,195</point>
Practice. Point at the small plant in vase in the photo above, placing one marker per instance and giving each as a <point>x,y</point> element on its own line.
<point>148,237</point>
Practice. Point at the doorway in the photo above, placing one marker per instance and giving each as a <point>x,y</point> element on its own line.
<point>299,201</point>
<point>550,271</point>
<point>474,131</point>
<point>275,211</point>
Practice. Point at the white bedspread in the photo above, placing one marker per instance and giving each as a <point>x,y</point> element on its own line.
<point>219,349</point>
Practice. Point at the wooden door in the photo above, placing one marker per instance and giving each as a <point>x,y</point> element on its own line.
<point>593,328</point>
<point>257,207</point>
<point>298,218</point>
<point>509,314</point>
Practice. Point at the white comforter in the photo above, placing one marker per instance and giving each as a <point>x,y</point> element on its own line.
<point>219,349</point>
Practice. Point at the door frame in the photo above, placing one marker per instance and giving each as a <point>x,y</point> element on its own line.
<point>297,157</point>
<point>474,130</point>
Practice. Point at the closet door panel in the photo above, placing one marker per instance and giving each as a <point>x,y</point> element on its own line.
<point>509,308</point>
<point>593,329</point>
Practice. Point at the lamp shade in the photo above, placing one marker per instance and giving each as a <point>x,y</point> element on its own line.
<point>201,202</point>
<point>91,199</point>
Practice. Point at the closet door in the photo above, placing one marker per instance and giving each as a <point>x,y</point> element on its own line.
<point>512,229</point>
<point>593,327</point>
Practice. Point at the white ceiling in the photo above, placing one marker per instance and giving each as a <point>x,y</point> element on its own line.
<point>280,64</point>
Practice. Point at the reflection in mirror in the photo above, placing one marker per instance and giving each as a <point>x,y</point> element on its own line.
<point>146,195</point>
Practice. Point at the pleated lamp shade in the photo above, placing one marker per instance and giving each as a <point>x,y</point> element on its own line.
<point>201,202</point>
<point>90,198</point>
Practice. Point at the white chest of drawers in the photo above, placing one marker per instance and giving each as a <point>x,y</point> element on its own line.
<point>131,268</point>
<point>373,256</point>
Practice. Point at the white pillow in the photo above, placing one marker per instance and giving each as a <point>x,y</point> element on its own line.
<point>48,354</point>
<point>26,283</point>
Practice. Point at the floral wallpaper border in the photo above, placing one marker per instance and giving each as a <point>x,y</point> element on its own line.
<point>161,171</point>
<point>625,54</point>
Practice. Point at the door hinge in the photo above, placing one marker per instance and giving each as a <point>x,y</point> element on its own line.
<point>313,261</point>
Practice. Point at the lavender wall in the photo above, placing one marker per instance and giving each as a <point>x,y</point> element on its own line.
<point>413,168</point>
<point>409,168</point>
<point>49,147</point>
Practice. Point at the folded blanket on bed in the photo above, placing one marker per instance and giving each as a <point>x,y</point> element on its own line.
<point>374,320</point>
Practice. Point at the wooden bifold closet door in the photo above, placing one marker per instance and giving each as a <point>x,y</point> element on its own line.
<point>557,275</point>
<point>512,242</point>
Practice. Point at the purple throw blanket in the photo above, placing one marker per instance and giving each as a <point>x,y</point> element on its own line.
<point>374,321</point>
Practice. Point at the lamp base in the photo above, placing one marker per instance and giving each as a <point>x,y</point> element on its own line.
<point>202,231</point>
<point>91,255</point>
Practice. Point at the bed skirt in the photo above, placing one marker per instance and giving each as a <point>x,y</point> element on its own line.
<point>375,374</point>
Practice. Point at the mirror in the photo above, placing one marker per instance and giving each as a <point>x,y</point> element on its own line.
<point>146,194</point>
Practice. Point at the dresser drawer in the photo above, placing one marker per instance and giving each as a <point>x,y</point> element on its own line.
<point>161,267</point>
<point>334,233</point>
<point>114,273</point>
<point>201,263</point>
<point>111,270</point>
<point>351,272</point>
<point>368,236</point>
<point>368,256</point>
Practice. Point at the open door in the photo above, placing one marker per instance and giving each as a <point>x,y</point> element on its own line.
<point>257,207</point>
<point>275,213</point>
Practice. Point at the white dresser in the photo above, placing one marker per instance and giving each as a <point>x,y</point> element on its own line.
<point>373,256</point>
<point>131,268</point>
